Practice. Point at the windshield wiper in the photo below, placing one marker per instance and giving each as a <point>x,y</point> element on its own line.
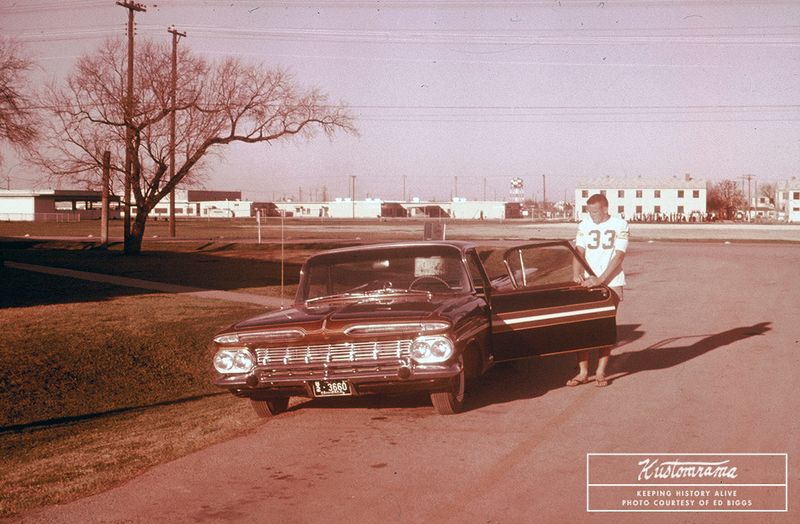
<point>394,290</point>
<point>338,296</point>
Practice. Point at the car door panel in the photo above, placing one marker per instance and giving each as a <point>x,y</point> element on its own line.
<point>545,312</point>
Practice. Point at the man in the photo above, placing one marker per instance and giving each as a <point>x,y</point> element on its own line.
<point>602,240</point>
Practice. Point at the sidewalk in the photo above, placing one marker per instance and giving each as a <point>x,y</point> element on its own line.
<point>230,296</point>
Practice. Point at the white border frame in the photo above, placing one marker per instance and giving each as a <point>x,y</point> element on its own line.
<point>785,484</point>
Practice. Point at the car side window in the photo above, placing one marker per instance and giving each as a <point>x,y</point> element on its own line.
<point>541,266</point>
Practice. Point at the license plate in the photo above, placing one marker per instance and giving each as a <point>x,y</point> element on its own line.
<point>331,388</point>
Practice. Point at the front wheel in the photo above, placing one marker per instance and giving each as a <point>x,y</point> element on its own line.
<point>270,407</point>
<point>451,402</point>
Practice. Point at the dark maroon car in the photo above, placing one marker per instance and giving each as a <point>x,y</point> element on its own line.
<point>413,316</point>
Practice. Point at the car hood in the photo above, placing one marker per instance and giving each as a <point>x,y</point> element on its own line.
<point>337,316</point>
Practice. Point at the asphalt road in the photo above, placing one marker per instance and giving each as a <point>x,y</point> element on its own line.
<point>708,364</point>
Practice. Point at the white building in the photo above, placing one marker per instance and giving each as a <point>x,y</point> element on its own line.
<point>198,203</point>
<point>787,199</point>
<point>675,199</point>
<point>477,210</point>
<point>338,208</point>
<point>53,205</point>
<point>459,208</point>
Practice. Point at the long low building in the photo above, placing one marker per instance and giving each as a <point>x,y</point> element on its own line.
<point>376,208</point>
<point>201,203</point>
<point>54,205</point>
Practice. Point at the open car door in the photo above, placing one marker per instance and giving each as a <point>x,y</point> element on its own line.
<point>539,310</point>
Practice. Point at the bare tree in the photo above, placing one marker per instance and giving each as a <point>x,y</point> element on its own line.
<point>768,191</point>
<point>216,104</point>
<point>725,198</point>
<point>17,116</point>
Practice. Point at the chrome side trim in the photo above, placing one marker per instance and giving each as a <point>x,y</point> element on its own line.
<point>549,316</point>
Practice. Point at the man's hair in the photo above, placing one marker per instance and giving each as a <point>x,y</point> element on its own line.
<point>598,198</point>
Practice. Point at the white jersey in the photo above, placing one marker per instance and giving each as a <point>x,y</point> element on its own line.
<point>600,241</point>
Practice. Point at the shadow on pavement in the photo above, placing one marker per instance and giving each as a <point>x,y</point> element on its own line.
<point>657,356</point>
<point>212,266</point>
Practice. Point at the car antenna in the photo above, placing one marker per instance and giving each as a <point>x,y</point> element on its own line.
<point>283,215</point>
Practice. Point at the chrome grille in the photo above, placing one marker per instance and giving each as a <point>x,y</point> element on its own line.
<point>345,352</point>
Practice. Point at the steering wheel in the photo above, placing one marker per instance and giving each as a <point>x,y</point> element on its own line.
<point>434,278</point>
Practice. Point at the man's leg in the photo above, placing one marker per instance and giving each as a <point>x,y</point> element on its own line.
<point>583,369</point>
<point>602,361</point>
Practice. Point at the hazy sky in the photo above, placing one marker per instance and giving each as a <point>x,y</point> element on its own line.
<point>494,90</point>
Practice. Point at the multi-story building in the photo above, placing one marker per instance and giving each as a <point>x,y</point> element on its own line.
<point>674,199</point>
<point>787,199</point>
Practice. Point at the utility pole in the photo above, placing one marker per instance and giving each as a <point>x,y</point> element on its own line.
<point>104,198</point>
<point>544,195</point>
<point>404,188</point>
<point>749,193</point>
<point>455,187</point>
<point>484,189</point>
<point>353,194</point>
<point>131,7</point>
<point>173,94</point>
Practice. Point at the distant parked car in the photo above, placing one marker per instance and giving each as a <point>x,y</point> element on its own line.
<point>413,316</point>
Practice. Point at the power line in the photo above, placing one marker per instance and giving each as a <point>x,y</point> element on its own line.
<point>790,37</point>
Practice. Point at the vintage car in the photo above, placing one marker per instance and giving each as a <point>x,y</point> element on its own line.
<point>413,316</point>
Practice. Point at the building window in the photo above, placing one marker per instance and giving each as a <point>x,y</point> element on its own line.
<point>657,193</point>
<point>638,193</point>
<point>657,209</point>
<point>796,195</point>
<point>638,210</point>
<point>585,193</point>
<point>680,193</point>
<point>621,193</point>
<point>583,209</point>
<point>603,192</point>
<point>786,195</point>
<point>161,210</point>
<point>696,193</point>
<point>680,210</point>
<point>621,210</point>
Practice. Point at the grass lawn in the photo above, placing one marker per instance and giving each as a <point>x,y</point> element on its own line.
<point>53,465</point>
<point>114,380</point>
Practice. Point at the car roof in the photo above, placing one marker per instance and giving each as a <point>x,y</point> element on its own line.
<point>461,245</point>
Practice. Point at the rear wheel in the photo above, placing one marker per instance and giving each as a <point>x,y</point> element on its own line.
<point>270,407</point>
<point>452,401</point>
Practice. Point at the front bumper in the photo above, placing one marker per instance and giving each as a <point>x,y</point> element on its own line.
<point>266,383</point>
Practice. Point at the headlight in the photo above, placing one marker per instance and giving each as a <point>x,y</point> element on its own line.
<point>431,349</point>
<point>233,361</point>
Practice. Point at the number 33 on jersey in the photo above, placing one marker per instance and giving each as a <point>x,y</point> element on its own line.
<point>600,241</point>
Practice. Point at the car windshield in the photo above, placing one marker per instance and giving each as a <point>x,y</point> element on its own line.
<point>378,272</point>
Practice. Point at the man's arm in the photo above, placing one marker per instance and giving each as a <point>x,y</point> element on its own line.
<point>608,275</point>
